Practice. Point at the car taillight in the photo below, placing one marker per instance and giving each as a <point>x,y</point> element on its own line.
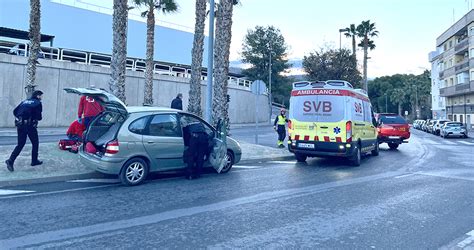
<point>349,131</point>
<point>290,124</point>
<point>112,148</point>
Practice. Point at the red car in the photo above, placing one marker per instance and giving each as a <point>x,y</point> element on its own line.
<point>393,129</point>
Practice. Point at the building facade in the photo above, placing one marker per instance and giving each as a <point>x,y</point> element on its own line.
<point>438,103</point>
<point>454,62</point>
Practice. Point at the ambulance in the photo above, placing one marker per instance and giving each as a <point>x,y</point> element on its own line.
<point>331,119</point>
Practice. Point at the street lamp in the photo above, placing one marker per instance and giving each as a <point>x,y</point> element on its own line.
<point>386,103</point>
<point>340,34</point>
<point>270,81</point>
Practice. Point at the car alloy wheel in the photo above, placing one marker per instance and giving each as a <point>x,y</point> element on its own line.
<point>229,161</point>
<point>134,172</point>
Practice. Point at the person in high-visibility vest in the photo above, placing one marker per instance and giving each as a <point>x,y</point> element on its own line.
<point>281,121</point>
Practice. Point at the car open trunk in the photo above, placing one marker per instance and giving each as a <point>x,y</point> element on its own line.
<point>104,129</point>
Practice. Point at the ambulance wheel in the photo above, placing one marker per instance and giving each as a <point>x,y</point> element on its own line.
<point>355,159</point>
<point>393,146</point>
<point>300,157</point>
<point>375,152</point>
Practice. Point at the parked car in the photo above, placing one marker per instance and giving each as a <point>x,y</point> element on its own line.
<point>453,129</point>
<point>133,141</point>
<point>392,129</point>
<point>425,125</point>
<point>416,124</point>
<point>437,126</point>
<point>419,124</point>
<point>429,127</point>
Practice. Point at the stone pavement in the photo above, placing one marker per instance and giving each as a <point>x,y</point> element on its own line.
<point>61,165</point>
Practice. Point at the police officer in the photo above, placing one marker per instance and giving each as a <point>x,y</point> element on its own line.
<point>27,114</point>
<point>281,121</point>
<point>196,141</point>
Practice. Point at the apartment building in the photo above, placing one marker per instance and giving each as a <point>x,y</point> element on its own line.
<point>453,61</point>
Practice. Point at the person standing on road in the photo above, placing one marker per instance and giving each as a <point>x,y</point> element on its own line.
<point>88,109</point>
<point>27,114</point>
<point>196,141</point>
<point>177,102</point>
<point>280,126</point>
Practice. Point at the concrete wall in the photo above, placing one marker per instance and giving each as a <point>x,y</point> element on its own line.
<point>60,108</point>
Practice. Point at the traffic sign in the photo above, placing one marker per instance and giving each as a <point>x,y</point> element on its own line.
<point>258,87</point>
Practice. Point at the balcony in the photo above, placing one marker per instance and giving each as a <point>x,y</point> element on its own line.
<point>458,89</point>
<point>462,66</point>
<point>462,46</point>
<point>447,72</point>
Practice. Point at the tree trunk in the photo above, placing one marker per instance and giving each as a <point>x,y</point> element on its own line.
<point>194,105</point>
<point>400,108</point>
<point>119,50</point>
<point>353,45</point>
<point>34,49</point>
<point>366,45</point>
<point>150,43</point>
<point>221,58</point>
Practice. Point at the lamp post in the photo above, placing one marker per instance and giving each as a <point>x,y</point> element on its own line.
<point>210,62</point>
<point>386,103</point>
<point>340,38</point>
<point>270,81</point>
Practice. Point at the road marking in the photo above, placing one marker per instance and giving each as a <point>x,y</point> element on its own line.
<point>10,192</point>
<point>403,176</point>
<point>95,181</point>
<point>467,241</point>
<point>283,162</point>
<point>245,167</point>
<point>55,192</point>
<point>466,143</point>
<point>105,227</point>
<point>449,142</point>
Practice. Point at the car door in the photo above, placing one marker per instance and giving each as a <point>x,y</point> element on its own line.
<point>163,142</point>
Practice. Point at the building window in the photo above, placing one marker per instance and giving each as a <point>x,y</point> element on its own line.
<point>468,101</point>
<point>450,44</point>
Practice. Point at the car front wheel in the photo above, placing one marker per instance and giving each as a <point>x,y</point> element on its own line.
<point>229,162</point>
<point>134,172</point>
<point>300,157</point>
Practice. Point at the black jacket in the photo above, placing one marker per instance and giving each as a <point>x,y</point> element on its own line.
<point>29,109</point>
<point>177,103</point>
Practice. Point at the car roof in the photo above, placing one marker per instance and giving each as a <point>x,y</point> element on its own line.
<point>137,109</point>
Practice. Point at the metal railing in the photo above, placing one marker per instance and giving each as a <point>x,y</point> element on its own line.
<point>104,60</point>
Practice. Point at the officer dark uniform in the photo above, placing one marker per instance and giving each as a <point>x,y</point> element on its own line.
<point>27,114</point>
<point>197,142</point>
<point>281,121</point>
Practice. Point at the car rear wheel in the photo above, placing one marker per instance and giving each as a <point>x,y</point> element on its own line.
<point>393,145</point>
<point>356,158</point>
<point>229,162</point>
<point>134,172</point>
<point>375,152</point>
<point>300,157</point>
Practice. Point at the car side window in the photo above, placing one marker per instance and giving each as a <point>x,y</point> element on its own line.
<point>188,119</point>
<point>164,125</point>
<point>138,126</point>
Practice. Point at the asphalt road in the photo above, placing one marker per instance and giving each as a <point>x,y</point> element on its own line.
<point>417,197</point>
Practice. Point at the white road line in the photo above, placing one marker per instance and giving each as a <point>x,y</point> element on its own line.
<point>467,241</point>
<point>245,167</point>
<point>55,192</point>
<point>449,142</point>
<point>96,181</point>
<point>403,176</point>
<point>283,162</point>
<point>10,192</point>
<point>466,143</point>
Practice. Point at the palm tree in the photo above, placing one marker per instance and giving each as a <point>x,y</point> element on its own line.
<point>194,105</point>
<point>398,96</point>
<point>165,6</point>
<point>366,30</point>
<point>34,35</point>
<point>351,31</point>
<point>119,50</point>
<point>221,61</point>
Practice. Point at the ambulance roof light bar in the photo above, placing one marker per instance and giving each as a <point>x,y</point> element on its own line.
<point>322,84</point>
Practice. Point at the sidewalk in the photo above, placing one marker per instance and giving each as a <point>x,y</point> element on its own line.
<point>62,165</point>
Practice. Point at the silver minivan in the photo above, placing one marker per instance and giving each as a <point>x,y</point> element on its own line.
<point>133,141</point>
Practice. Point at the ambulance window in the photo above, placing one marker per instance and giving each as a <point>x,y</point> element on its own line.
<point>367,112</point>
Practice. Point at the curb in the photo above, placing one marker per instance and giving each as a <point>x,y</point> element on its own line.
<point>91,175</point>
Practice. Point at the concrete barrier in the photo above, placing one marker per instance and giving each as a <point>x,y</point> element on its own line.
<point>60,108</point>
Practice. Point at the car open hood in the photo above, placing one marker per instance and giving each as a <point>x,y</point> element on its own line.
<point>107,100</point>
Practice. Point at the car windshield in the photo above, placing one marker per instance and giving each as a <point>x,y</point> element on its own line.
<point>392,120</point>
<point>454,124</point>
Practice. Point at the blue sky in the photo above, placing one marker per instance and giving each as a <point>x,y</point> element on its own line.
<point>408,28</point>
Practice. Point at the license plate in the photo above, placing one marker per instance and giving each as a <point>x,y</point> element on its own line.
<point>305,145</point>
<point>402,129</point>
<point>393,137</point>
